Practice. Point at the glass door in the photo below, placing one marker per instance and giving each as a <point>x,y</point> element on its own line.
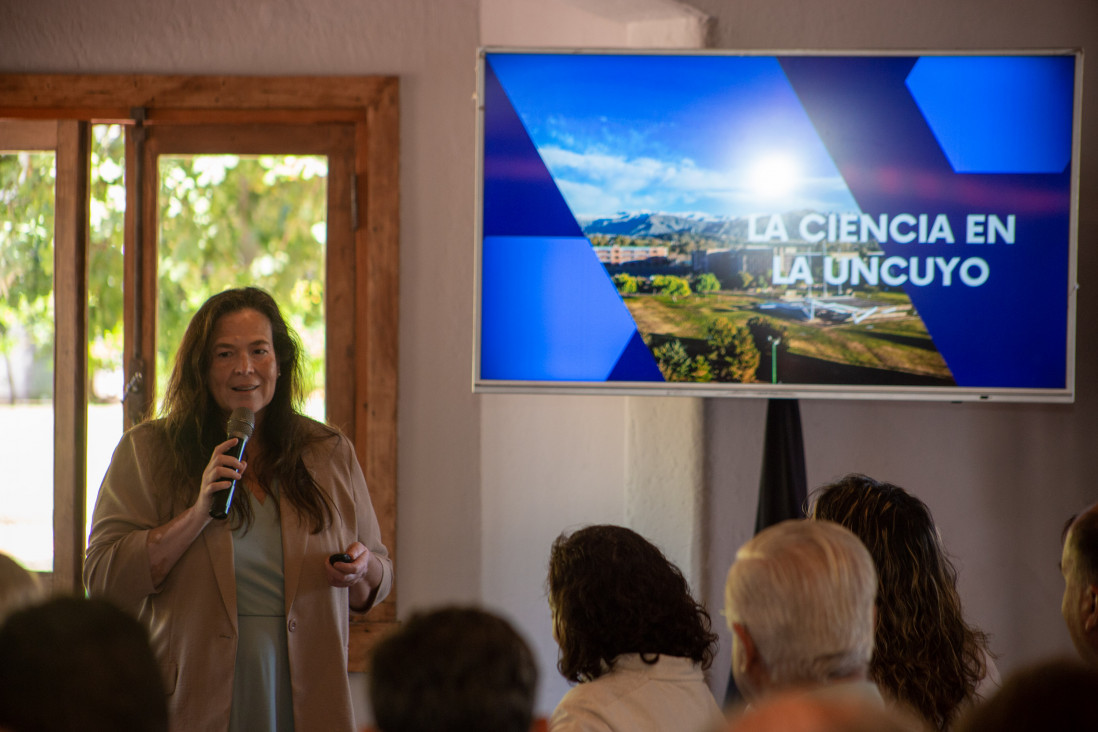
<point>27,337</point>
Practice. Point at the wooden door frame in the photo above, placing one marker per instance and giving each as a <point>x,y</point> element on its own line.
<point>370,105</point>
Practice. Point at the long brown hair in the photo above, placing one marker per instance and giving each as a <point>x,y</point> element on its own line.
<point>194,423</point>
<point>926,655</point>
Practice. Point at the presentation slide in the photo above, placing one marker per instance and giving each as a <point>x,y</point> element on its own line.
<point>885,223</point>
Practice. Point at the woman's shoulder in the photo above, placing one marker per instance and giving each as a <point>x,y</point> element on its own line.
<point>144,449</point>
<point>313,429</point>
<point>149,426</point>
<point>151,432</point>
<point>321,438</point>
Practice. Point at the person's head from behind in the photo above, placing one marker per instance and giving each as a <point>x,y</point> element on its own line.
<point>926,655</point>
<point>1059,695</point>
<point>18,587</point>
<point>1079,566</point>
<point>237,351</point>
<point>77,664</point>
<point>612,592</point>
<point>454,669</point>
<point>799,599</point>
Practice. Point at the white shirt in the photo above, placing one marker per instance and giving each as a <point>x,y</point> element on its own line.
<point>668,696</point>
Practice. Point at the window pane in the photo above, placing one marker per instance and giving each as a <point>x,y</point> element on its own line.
<point>105,307</point>
<point>26,357</point>
<point>231,221</point>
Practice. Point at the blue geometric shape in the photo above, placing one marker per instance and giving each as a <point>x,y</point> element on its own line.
<point>636,363</point>
<point>1009,114</point>
<point>549,312</point>
<point>868,118</point>
<point>520,196</point>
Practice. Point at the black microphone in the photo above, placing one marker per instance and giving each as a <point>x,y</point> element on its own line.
<point>241,425</point>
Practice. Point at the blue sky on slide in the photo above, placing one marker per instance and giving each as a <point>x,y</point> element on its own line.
<point>711,135</point>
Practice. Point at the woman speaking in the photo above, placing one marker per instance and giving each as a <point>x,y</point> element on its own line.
<point>248,616</point>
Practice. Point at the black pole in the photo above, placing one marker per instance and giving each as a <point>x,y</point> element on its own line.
<point>783,487</point>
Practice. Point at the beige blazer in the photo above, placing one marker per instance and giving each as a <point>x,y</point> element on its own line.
<point>192,614</point>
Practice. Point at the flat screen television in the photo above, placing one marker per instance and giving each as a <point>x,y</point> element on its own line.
<point>865,225</point>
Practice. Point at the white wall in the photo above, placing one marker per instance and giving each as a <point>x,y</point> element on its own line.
<point>481,496</point>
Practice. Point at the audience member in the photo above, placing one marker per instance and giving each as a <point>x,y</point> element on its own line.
<point>815,712</point>
<point>1079,565</point>
<point>927,657</point>
<point>73,664</point>
<point>453,669</point>
<point>18,587</point>
<point>631,636</point>
<point>1053,696</point>
<point>799,601</point>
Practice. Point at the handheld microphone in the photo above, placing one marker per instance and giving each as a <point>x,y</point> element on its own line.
<point>241,425</point>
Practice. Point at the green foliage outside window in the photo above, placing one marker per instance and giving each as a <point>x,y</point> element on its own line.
<point>225,221</point>
<point>228,221</point>
<point>26,263</point>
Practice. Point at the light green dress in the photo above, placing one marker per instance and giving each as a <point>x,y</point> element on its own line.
<point>262,696</point>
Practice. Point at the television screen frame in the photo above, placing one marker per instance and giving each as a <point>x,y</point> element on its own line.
<point>515,358</point>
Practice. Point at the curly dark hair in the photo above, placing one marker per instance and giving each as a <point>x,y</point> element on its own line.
<point>612,592</point>
<point>926,655</point>
<point>194,423</point>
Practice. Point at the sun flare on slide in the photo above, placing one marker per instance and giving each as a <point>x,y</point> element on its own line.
<point>774,175</point>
